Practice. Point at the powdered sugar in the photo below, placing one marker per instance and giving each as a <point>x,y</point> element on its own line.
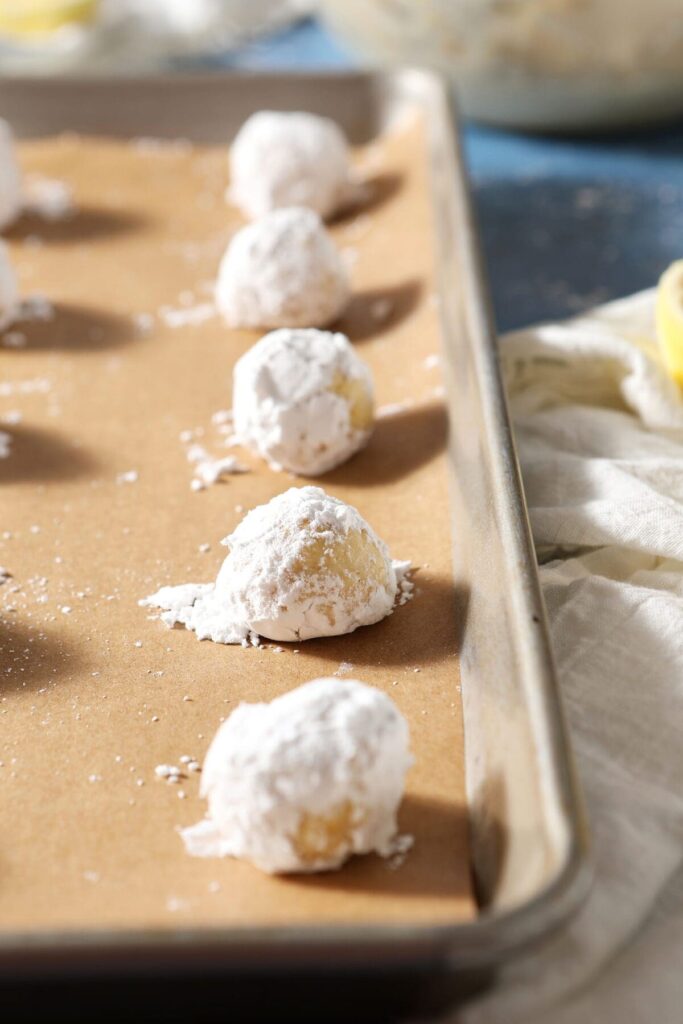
<point>288,159</point>
<point>29,386</point>
<point>13,339</point>
<point>36,307</point>
<point>302,783</point>
<point>48,198</point>
<point>302,566</point>
<point>303,400</point>
<point>282,271</point>
<point>208,470</point>
<point>187,316</point>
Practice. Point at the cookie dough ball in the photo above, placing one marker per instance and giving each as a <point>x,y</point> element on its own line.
<point>306,565</point>
<point>282,271</point>
<point>291,159</point>
<point>303,400</point>
<point>302,566</point>
<point>9,289</point>
<point>302,783</point>
<point>10,178</point>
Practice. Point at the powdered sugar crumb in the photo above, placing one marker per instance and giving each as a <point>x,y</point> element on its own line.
<point>143,322</point>
<point>402,845</point>
<point>381,309</point>
<point>48,198</point>
<point>187,316</point>
<point>392,409</point>
<point>31,386</point>
<point>174,904</point>
<point>209,470</point>
<point>221,417</point>
<point>129,477</point>
<point>36,307</point>
<point>14,339</point>
<point>406,587</point>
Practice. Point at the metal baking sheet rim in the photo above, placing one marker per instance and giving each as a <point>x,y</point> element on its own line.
<point>494,936</point>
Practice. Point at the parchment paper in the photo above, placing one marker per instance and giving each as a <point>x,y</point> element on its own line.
<point>94,698</point>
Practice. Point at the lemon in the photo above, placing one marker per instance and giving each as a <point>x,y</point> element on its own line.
<point>42,17</point>
<point>670,319</point>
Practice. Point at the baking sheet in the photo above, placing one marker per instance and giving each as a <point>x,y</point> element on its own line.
<point>95,697</point>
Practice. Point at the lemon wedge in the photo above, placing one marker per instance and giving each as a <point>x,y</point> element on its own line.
<point>43,17</point>
<point>670,319</point>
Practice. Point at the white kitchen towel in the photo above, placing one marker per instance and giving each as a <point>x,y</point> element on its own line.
<point>599,428</point>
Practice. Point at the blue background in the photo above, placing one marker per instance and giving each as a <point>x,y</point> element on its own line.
<point>565,222</point>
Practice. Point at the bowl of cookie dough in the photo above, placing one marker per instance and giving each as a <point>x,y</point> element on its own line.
<point>550,65</point>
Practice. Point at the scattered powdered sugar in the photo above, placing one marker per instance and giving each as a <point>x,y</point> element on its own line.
<point>406,587</point>
<point>31,386</point>
<point>174,904</point>
<point>381,309</point>
<point>129,477</point>
<point>209,470</point>
<point>222,417</point>
<point>187,316</point>
<point>301,566</point>
<point>282,271</point>
<point>5,444</point>
<point>431,362</point>
<point>48,198</point>
<point>143,322</point>
<point>168,772</point>
<point>401,848</point>
<point>392,409</point>
<point>302,400</point>
<point>36,307</point>
<point>289,159</point>
<point>14,339</point>
<point>338,796</point>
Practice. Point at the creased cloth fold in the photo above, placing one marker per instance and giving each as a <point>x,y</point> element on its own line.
<point>599,428</point>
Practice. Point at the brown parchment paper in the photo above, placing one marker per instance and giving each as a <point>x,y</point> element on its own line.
<point>94,697</point>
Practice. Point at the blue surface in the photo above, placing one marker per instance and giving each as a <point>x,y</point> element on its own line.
<point>565,223</point>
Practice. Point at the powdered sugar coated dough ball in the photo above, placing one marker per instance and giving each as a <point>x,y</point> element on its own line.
<point>306,565</point>
<point>302,783</point>
<point>291,159</point>
<point>282,271</point>
<point>9,289</point>
<point>303,400</point>
<point>301,566</point>
<point>10,178</point>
